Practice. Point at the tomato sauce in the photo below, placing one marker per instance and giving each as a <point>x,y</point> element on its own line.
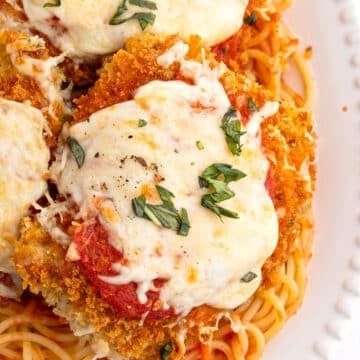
<point>96,259</point>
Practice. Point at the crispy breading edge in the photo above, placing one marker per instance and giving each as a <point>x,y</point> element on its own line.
<point>83,74</point>
<point>23,88</point>
<point>40,261</point>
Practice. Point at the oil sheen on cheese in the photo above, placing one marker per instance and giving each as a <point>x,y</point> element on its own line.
<point>123,161</point>
<point>24,159</point>
<point>81,28</point>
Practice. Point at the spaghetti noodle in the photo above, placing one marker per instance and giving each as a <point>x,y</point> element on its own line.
<point>263,51</point>
<point>29,330</point>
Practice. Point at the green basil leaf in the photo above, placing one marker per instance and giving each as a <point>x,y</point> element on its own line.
<point>165,195</point>
<point>184,223</point>
<point>138,205</point>
<point>228,213</point>
<point>221,191</point>
<point>144,18</point>
<point>142,123</point>
<point>77,151</point>
<point>216,177</point>
<point>232,130</point>
<point>251,19</point>
<point>212,171</point>
<point>248,277</point>
<point>231,113</point>
<point>199,145</point>
<point>208,202</point>
<point>122,8</point>
<point>215,170</point>
<point>251,105</point>
<point>144,4</point>
<point>55,4</point>
<point>166,351</point>
<point>164,217</point>
<point>230,174</point>
<point>203,182</point>
<point>149,214</point>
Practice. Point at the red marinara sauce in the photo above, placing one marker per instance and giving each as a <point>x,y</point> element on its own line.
<point>96,259</point>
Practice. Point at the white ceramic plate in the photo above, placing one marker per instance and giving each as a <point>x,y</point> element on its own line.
<point>328,324</point>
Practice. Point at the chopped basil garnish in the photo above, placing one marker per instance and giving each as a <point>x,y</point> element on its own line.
<point>251,105</point>
<point>248,277</point>
<point>165,195</point>
<point>166,351</point>
<point>199,145</point>
<point>122,8</point>
<point>144,18</point>
<point>77,151</point>
<point>165,214</point>
<point>138,205</point>
<point>216,178</point>
<point>144,4</point>
<point>55,4</point>
<point>232,128</point>
<point>142,123</point>
<point>251,19</point>
<point>209,203</point>
<point>215,170</point>
<point>184,222</point>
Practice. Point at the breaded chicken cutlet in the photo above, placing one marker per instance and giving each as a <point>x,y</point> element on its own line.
<point>14,18</point>
<point>31,110</point>
<point>29,74</point>
<point>67,275</point>
<point>87,31</point>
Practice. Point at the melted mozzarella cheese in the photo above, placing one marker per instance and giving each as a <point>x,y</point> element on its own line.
<point>82,28</point>
<point>24,159</point>
<point>124,160</point>
<point>44,71</point>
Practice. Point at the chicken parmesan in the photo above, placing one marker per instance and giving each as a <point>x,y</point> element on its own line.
<point>28,74</point>
<point>87,28</point>
<point>30,108</point>
<point>182,189</point>
<point>84,31</point>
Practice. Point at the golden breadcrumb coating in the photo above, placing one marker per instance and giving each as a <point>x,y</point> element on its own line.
<point>80,74</point>
<point>17,86</point>
<point>288,140</point>
<point>41,262</point>
<point>7,11</point>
